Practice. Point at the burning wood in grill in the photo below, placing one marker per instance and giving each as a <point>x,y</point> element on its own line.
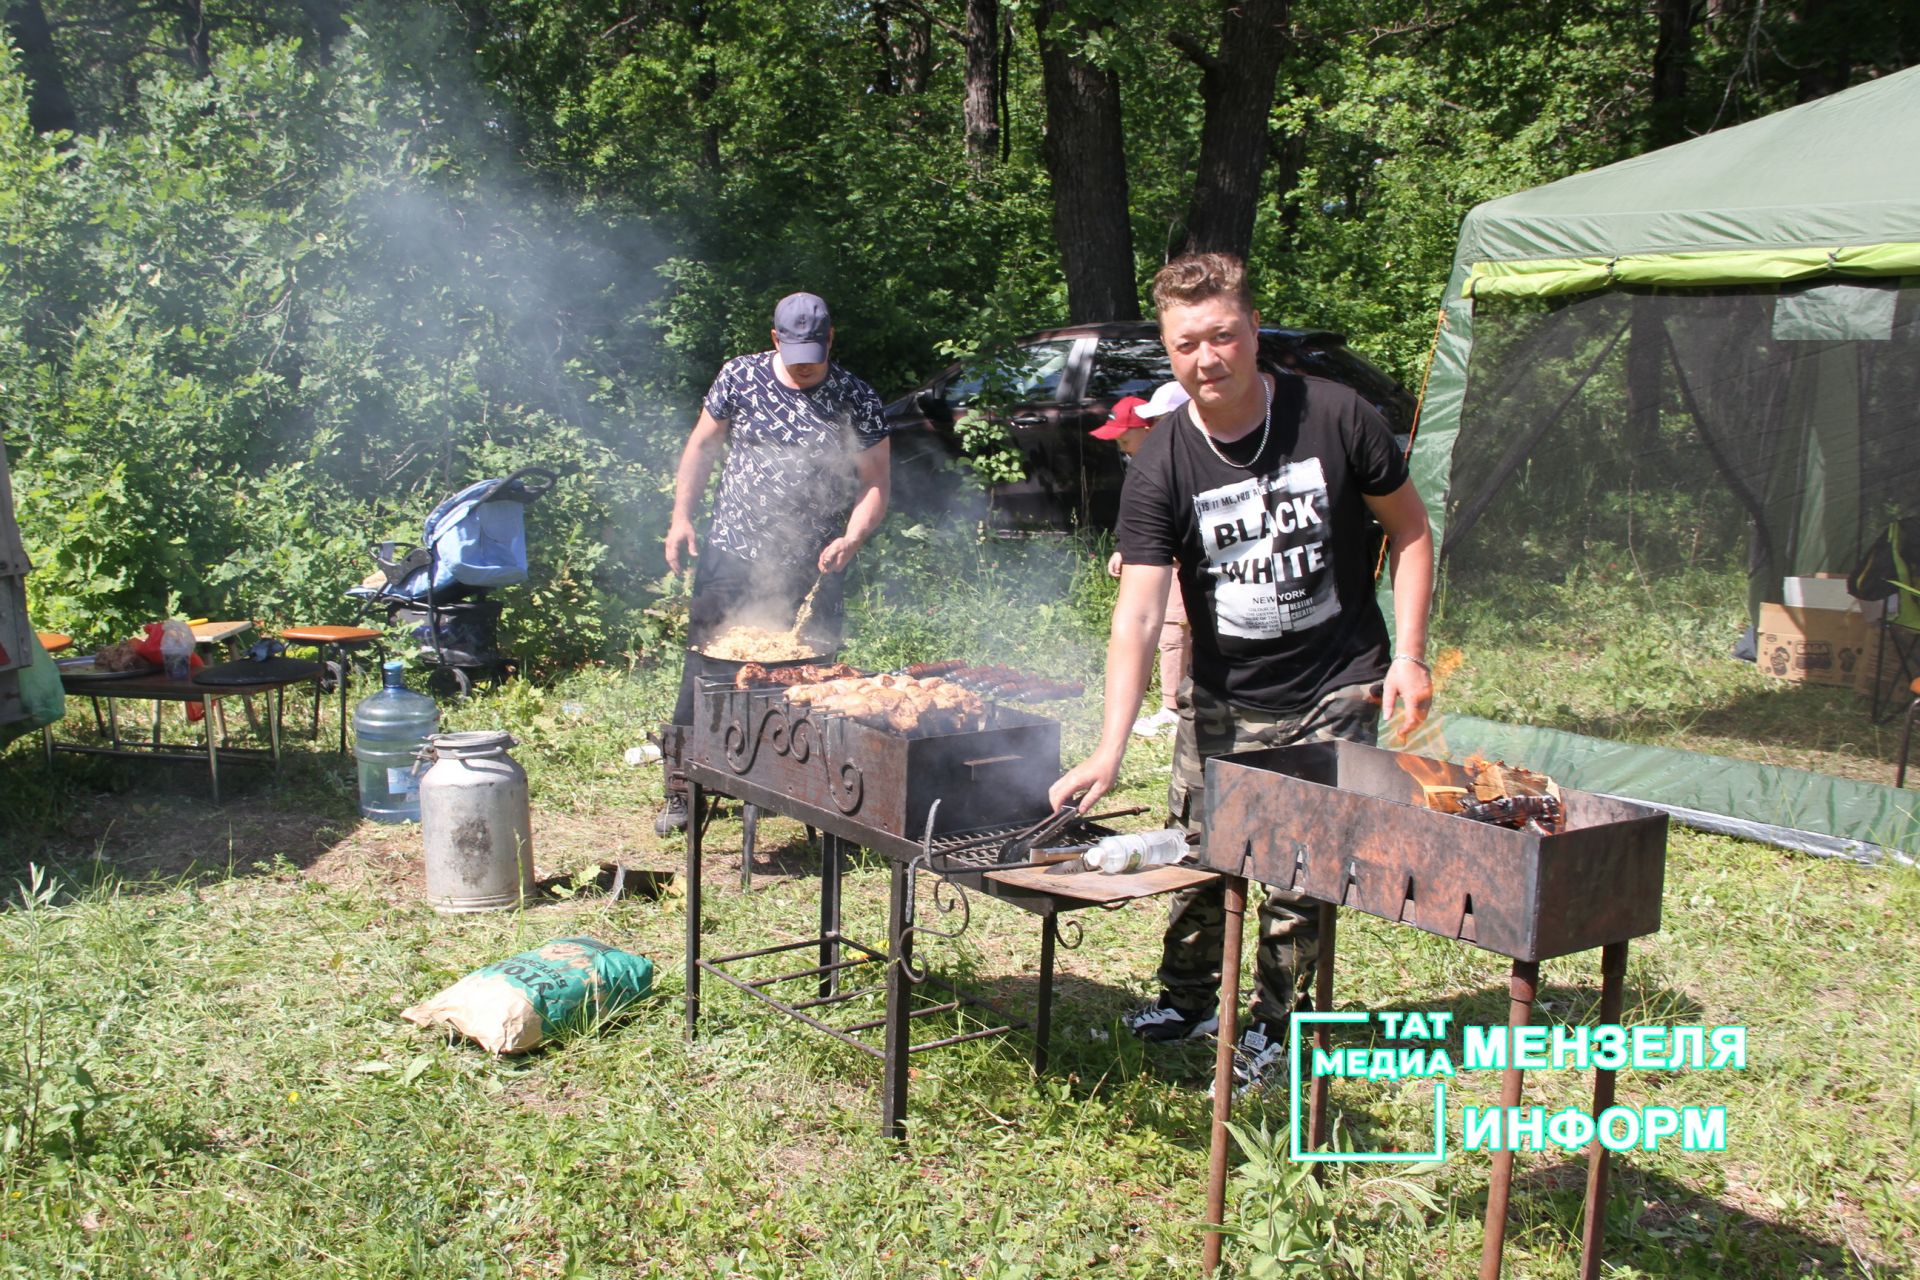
<point>1500,794</point>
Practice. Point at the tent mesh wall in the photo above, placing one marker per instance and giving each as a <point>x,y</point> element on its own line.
<point>1635,474</point>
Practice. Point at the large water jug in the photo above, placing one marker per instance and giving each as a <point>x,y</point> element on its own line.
<point>389,728</point>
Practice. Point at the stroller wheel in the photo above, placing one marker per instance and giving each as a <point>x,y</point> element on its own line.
<point>449,682</point>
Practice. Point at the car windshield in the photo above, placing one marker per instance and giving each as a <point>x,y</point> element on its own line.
<point>1128,367</point>
<point>1024,375</point>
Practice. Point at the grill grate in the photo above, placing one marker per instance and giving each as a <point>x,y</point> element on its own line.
<point>979,849</point>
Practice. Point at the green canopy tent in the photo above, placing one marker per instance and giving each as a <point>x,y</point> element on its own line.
<point>1712,348</point>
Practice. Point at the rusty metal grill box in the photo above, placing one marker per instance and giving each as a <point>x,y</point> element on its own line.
<point>1344,823</point>
<point>885,780</point>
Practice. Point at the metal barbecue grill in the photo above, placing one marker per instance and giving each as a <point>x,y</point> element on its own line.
<point>888,781</point>
<point>1347,824</point>
<point>941,805</point>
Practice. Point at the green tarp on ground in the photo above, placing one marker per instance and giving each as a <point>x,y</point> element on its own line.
<point>1834,817</point>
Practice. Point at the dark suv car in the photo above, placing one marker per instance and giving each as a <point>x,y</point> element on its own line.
<point>1056,386</point>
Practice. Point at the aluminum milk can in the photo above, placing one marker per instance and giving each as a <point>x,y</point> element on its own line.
<point>476,822</point>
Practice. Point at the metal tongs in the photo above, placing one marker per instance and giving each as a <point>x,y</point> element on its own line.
<point>1020,846</point>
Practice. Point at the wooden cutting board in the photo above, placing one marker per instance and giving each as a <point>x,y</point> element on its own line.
<point>1091,886</point>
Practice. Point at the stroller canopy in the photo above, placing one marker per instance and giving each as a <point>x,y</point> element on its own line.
<point>476,538</point>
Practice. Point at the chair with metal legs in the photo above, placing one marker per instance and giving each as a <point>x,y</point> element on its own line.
<point>1906,735</point>
<point>345,642</point>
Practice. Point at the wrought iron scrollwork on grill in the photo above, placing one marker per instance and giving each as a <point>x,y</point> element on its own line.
<point>756,720</point>
<point>948,898</point>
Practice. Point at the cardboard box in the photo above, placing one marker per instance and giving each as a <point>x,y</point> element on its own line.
<point>1821,591</point>
<point>1812,646</point>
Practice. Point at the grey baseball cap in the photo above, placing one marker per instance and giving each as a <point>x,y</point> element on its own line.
<point>802,328</point>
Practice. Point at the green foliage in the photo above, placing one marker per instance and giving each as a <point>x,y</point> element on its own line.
<point>307,268</point>
<point>1302,1219</point>
<point>241,356</point>
<point>49,1093</point>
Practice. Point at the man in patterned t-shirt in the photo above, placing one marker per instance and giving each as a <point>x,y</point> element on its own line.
<point>805,484</point>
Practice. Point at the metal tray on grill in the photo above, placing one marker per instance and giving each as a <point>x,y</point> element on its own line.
<point>884,780</point>
<point>1344,823</point>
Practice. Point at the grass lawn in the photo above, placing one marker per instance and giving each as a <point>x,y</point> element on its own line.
<point>204,1073</point>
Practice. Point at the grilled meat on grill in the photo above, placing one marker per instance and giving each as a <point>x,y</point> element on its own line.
<point>902,704</point>
<point>753,675</point>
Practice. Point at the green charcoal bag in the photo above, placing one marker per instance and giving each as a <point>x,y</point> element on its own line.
<point>514,1004</point>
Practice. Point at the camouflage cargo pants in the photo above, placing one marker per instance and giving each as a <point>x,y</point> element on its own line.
<point>1289,922</point>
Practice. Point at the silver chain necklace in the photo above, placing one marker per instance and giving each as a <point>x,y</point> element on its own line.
<point>1264,429</point>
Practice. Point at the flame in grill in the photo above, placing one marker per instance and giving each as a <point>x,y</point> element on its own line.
<point>1432,780</point>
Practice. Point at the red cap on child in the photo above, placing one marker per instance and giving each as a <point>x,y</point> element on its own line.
<point>1126,417</point>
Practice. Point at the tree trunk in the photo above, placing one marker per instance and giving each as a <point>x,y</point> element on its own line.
<point>1646,359</point>
<point>983,80</point>
<point>326,24</point>
<point>881,17</point>
<point>1236,87</point>
<point>1087,163</point>
<point>49,107</point>
<point>904,40</point>
<point>1290,154</point>
<point>194,36</point>
<point>1674,21</point>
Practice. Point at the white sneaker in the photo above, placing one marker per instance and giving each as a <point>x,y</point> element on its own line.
<point>1151,726</point>
<point>1259,1059</point>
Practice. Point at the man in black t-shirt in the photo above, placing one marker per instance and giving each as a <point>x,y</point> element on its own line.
<point>1255,496</point>
<point>805,484</point>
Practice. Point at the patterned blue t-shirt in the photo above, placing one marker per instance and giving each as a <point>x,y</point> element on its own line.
<point>789,482</point>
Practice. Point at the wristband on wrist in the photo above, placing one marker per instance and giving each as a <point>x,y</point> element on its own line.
<point>1418,662</point>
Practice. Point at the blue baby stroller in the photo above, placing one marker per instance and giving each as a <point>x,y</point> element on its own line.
<point>472,542</point>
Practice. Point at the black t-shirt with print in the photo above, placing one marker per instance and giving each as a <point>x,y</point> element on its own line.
<point>789,482</point>
<point>1272,560</point>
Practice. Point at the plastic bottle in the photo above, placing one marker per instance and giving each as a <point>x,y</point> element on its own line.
<point>389,728</point>
<point>176,649</point>
<point>1136,851</point>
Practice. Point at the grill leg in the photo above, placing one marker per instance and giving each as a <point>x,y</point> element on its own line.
<point>696,800</point>
<point>749,837</point>
<point>1521,988</point>
<point>893,1083</point>
<point>1043,1016</point>
<point>1322,1032</point>
<point>1236,921</point>
<point>832,862</point>
<point>1613,982</point>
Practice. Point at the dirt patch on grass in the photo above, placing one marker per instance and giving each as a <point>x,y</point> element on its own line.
<point>388,859</point>
<point>144,838</point>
